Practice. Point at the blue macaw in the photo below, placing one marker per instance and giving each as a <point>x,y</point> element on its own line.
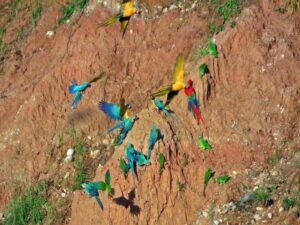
<point>160,106</point>
<point>154,135</point>
<point>126,124</point>
<point>133,157</point>
<point>91,189</point>
<point>76,89</point>
<point>116,112</point>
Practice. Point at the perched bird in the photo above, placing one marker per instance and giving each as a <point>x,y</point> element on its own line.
<point>153,137</point>
<point>76,90</point>
<point>134,157</point>
<point>116,112</point>
<point>126,124</point>
<point>91,189</point>
<point>177,83</point>
<point>193,105</point>
<point>160,106</point>
<point>127,9</point>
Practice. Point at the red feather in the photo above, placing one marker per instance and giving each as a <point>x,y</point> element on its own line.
<point>197,114</point>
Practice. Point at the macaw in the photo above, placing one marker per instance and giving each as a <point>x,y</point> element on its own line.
<point>134,157</point>
<point>116,112</point>
<point>126,124</point>
<point>127,9</point>
<point>77,90</point>
<point>160,106</point>
<point>154,135</point>
<point>91,189</point>
<point>193,105</point>
<point>177,83</point>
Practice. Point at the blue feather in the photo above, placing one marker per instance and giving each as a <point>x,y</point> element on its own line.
<point>72,87</point>
<point>154,134</point>
<point>110,109</point>
<point>99,202</point>
<point>76,99</point>
<point>121,123</point>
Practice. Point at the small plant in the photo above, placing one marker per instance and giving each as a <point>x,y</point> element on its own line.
<point>185,160</point>
<point>274,158</point>
<point>259,196</point>
<point>70,8</point>
<point>13,8</point>
<point>288,203</point>
<point>202,52</point>
<point>30,207</point>
<point>180,186</point>
<point>35,12</point>
<point>294,6</point>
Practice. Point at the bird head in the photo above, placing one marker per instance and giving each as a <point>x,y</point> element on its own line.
<point>138,8</point>
<point>86,84</point>
<point>127,106</point>
<point>152,97</point>
<point>189,83</point>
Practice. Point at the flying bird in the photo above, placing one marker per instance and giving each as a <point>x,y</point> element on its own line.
<point>177,84</point>
<point>114,111</point>
<point>193,105</point>
<point>76,89</point>
<point>160,106</point>
<point>91,189</point>
<point>153,137</point>
<point>127,9</point>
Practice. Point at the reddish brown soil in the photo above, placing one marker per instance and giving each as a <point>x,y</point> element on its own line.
<point>249,100</point>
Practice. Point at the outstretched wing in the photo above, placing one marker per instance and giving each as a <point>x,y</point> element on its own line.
<point>72,87</point>
<point>178,72</point>
<point>76,99</point>
<point>124,23</point>
<point>100,76</point>
<point>122,107</point>
<point>112,110</point>
<point>170,97</point>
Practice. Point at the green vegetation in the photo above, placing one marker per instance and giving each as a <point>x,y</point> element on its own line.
<point>180,186</point>
<point>35,12</point>
<point>292,202</point>
<point>79,163</point>
<point>210,49</point>
<point>274,158</point>
<point>223,12</point>
<point>161,161</point>
<point>30,207</point>
<point>13,8</point>
<point>259,196</point>
<point>70,8</point>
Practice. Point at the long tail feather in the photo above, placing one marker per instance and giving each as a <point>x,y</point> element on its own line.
<point>99,202</point>
<point>163,91</point>
<point>110,20</point>
<point>197,114</point>
<point>168,113</point>
<point>115,127</point>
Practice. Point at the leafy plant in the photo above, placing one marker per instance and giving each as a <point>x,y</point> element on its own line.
<point>259,196</point>
<point>222,179</point>
<point>161,161</point>
<point>70,8</point>
<point>123,166</point>
<point>274,158</point>
<point>202,52</point>
<point>30,207</point>
<point>180,186</point>
<point>35,12</point>
<point>288,203</point>
<point>203,69</point>
<point>294,6</point>
<point>13,8</point>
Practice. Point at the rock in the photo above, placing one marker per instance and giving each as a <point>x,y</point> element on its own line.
<point>173,6</point>
<point>280,209</point>
<point>257,217</point>
<point>205,214</point>
<point>50,34</point>
<point>216,222</point>
<point>259,208</point>
<point>94,154</point>
<point>89,137</point>
<point>105,141</point>
<point>63,194</point>
<point>165,10</point>
<point>67,175</point>
<point>270,215</point>
<point>69,156</point>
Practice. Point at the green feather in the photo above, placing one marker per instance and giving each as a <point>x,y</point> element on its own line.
<point>102,186</point>
<point>207,176</point>
<point>123,165</point>
<point>204,145</point>
<point>107,177</point>
<point>202,69</point>
<point>161,161</point>
<point>212,48</point>
<point>222,179</point>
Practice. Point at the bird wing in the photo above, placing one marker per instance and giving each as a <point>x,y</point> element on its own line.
<point>170,97</point>
<point>120,124</point>
<point>122,107</point>
<point>124,23</point>
<point>163,91</point>
<point>98,77</point>
<point>178,70</point>
<point>112,110</point>
<point>76,99</point>
<point>124,1</point>
<point>72,87</point>
<point>99,202</point>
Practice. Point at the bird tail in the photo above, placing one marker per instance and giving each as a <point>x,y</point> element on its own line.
<point>150,148</point>
<point>118,125</point>
<point>168,113</point>
<point>197,114</point>
<point>99,202</point>
<point>163,91</point>
<point>110,20</point>
<point>121,138</point>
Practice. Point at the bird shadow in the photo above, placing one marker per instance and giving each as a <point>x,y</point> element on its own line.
<point>129,203</point>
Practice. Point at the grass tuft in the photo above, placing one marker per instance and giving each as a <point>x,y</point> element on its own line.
<point>70,8</point>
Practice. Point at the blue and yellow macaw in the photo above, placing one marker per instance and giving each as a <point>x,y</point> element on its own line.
<point>116,112</point>
<point>91,189</point>
<point>76,90</point>
<point>160,106</point>
<point>177,84</point>
<point>153,137</point>
<point>126,124</point>
<point>134,157</point>
<point>127,9</point>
